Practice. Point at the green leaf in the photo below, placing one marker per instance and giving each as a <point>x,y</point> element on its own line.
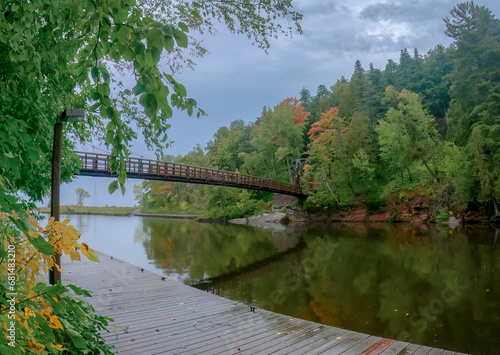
<point>181,39</point>
<point>113,187</point>
<point>168,43</point>
<point>79,291</point>
<point>76,338</point>
<point>122,176</point>
<point>138,89</point>
<point>110,126</point>
<point>155,38</point>
<point>180,89</point>
<point>95,73</point>
<point>56,290</point>
<point>94,107</point>
<point>150,104</point>
<point>123,33</point>
<point>109,137</point>
<point>183,26</point>
<point>40,287</point>
<point>125,52</point>
<point>167,30</point>
<point>42,245</point>
<point>156,54</point>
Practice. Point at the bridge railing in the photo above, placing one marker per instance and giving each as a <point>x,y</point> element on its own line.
<point>140,167</point>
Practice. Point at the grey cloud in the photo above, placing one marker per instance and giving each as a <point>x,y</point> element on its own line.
<point>408,11</point>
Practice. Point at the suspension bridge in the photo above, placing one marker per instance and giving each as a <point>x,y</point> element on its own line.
<point>97,164</point>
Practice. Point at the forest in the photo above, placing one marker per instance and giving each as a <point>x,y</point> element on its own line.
<point>426,126</point>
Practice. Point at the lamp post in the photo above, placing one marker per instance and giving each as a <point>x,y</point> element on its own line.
<point>68,115</point>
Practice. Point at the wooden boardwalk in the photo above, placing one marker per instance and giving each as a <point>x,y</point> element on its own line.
<point>155,315</point>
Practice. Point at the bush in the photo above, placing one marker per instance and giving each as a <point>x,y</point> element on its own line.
<point>44,319</point>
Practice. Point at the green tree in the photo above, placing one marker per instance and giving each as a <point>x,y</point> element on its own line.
<point>230,145</point>
<point>278,141</point>
<point>408,134</point>
<point>341,156</point>
<point>476,75</point>
<point>81,194</point>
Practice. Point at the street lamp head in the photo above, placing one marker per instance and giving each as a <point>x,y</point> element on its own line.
<point>72,115</point>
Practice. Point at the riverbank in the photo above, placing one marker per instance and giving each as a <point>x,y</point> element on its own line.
<point>416,210</point>
<point>105,211</point>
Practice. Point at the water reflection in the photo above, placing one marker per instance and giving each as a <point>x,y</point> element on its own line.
<point>427,285</point>
<point>208,251</point>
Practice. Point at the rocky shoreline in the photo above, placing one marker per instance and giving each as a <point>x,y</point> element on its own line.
<point>418,211</point>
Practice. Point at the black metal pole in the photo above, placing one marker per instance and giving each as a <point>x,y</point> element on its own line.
<point>54,274</point>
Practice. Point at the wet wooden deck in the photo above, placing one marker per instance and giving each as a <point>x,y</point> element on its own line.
<point>155,315</point>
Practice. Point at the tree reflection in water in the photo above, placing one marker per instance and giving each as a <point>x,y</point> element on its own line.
<point>427,285</point>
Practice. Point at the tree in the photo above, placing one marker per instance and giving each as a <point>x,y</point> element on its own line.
<point>229,146</point>
<point>278,141</point>
<point>341,159</point>
<point>408,134</point>
<point>305,97</point>
<point>475,89</point>
<point>81,194</point>
<point>476,74</point>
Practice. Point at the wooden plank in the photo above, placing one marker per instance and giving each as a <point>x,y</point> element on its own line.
<point>423,350</point>
<point>339,344</point>
<point>333,335</point>
<point>274,342</point>
<point>411,348</point>
<point>362,346</point>
<point>397,348</point>
<point>378,347</point>
<point>435,352</point>
<point>310,340</point>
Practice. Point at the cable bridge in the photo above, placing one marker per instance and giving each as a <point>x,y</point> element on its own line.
<point>97,164</point>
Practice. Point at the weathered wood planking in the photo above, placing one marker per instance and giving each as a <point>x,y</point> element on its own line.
<point>155,315</point>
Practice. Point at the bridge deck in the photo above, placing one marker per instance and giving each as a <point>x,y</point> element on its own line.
<point>94,164</point>
<point>161,316</point>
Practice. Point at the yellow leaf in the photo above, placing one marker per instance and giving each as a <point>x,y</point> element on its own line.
<point>33,234</point>
<point>66,221</point>
<point>55,321</point>
<point>74,255</point>
<point>58,346</point>
<point>93,256</point>
<point>89,253</point>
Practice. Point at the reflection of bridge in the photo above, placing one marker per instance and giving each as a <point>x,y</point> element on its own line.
<point>94,164</point>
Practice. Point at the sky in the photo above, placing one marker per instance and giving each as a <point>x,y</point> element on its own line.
<point>236,79</point>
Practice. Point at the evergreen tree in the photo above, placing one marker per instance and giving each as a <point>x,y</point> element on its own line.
<point>476,74</point>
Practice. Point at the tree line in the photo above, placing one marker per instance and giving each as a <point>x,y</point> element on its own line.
<point>427,125</point>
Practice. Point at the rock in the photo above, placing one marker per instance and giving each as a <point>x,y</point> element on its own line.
<point>275,221</point>
<point>295,215</point>
<point>380,217</point>
<point>356,216</point>
<point>239,221</point>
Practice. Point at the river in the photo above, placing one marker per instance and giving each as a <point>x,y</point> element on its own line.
<point>427,285</point>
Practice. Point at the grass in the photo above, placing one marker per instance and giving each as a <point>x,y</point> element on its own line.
<point>177,211</point>
<point>107,211</point>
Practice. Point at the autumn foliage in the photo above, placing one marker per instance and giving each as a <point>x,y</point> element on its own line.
<point>46,318</point>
